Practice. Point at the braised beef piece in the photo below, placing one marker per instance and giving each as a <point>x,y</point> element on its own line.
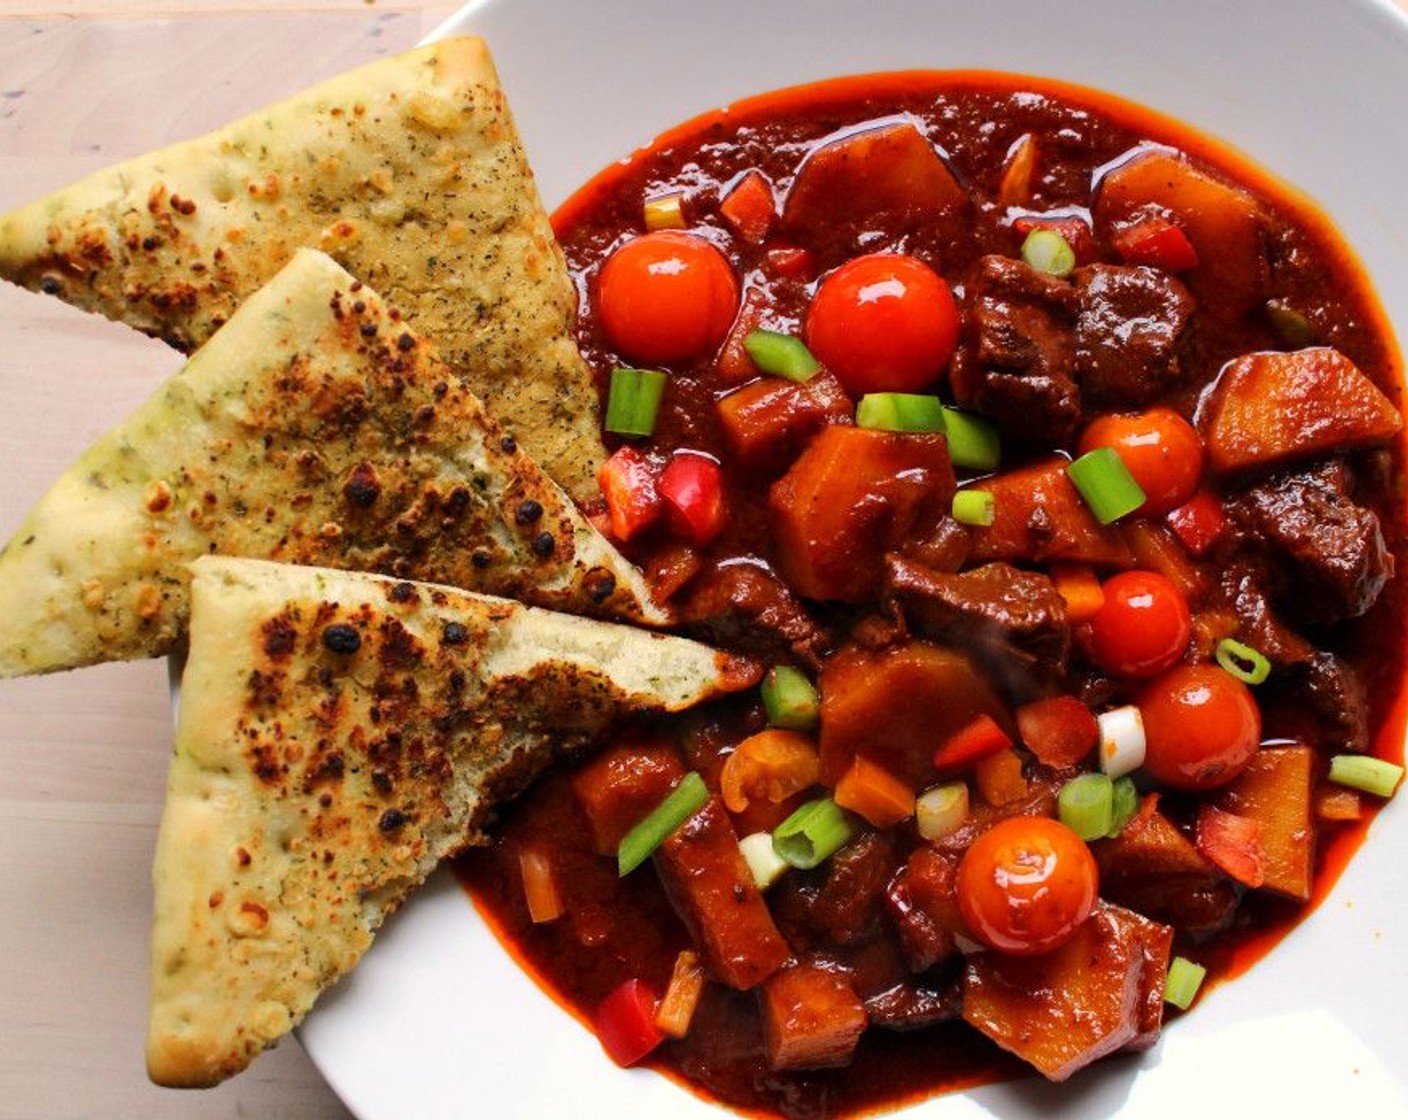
<point>912,1006</point>
<point>995,608</point>
<point>1330,692</point>
<point>1016,366</point>
<point>1128,334</point>
<point>1329,548</point>
<point>1243,584</point>
<point>746,607</point>
<point>847,906</point>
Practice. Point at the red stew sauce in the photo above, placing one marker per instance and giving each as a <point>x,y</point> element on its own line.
<point>971,261</point>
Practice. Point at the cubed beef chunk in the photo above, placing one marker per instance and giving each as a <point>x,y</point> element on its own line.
<point>1132,320</point>
<point>1016,366</point>
<point>996,607</point>
<point>1332,694</point>
<point>1330,547</point>
<point>848,905</point>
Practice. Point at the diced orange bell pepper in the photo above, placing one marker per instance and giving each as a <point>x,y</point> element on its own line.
<point>874,793</point>
<point>627,481</point>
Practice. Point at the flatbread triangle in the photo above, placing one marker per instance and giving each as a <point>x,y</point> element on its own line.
<point>315,427</point>
<point>408,170</point>
<point>339,734</point>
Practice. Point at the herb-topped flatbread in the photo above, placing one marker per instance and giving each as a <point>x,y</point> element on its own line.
<point>408,171</point>
<point>316,428</point>
<point>340,734</point>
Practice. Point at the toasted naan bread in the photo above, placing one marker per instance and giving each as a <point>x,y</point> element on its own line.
<point>408,171</point>
<point>314,428</point>
<point>339,734</point>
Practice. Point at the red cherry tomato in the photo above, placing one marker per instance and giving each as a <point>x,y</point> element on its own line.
<point>692,488</point>
<point>666,297</point>
<point>1201,727</point>
<point>883,323</point>
<point>1026,884</point>
<point>1143,626</point>
<point>1161,449</point>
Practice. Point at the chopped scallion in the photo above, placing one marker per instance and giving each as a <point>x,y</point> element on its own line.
<point>1245,663</point>
<point>1126,804</point>
<point>1106,484</point>
<point>781,355</point>
<point>638,845</point>
<point>1047,251</point>
<point>973,442</point>
<point>900,412</point>
<point>1367,773</point>
<point>633,401</point>
<point>665,211</point>
<point>1086,805</point>
<point>812,833</point>
<point>1122,742</point>
<point>940,809</point>
<point>1183,981</point>
<point>762,859</point>
<point>974,507</point>
<point>791,700</point>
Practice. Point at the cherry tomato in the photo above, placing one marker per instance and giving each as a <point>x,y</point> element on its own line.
<point>883,323</point>
<point>1161,449</point>
<point>1143,626</point>
<point>666,297</point>
<point>1026,884</point>
<point>692,489</point>
<point>1201,727</point>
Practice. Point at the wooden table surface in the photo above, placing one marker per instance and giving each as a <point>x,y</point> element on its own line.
<point>83,754</point>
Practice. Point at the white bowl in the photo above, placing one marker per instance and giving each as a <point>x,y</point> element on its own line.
<point>438,1021</point>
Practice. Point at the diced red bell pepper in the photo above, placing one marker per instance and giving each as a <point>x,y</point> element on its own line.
<point>1157,242</point>
<point>1074,231</point>
<point>1198,523</point>
<point>625,1023</point>
<point>791,261</point>
<point>692,489</point>
<point>627,482</point>
<point>974,741</point>
<point>1059,730</point>
<point>749,208</point>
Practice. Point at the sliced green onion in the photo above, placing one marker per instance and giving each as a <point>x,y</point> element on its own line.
<point>939,810</point>
<point>1125,804</point>
<point>900,412</point>
<point>762,860</point>
<point>1047,251</point>
<point>791,700</point>
<point>1122,742</point>
<point>1086,805</point>
<point>1248,665</point>
<point>665,211</point>
<point>638,845</point>
<point>1367,773</point>
<point>812,833</point>
<point>974,507</point>
<point>973,442</point>
<point>633,401</point>
<point>781,355</point>
<point>1295,329</point>
<point>1106,484</point>
<point>1184,980</point>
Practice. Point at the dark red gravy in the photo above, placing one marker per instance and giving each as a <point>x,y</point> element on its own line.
<point>620,928</point>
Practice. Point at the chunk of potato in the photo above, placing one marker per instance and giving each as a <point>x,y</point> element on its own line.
<point>1277,791</point>
<point>1274,407</point>
<point>812,1018</point>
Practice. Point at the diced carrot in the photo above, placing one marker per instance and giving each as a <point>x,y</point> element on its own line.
<point>621,785</point>
<point>681,998</point>
<point>859,175</point>
<point>874,793</point>
<point>1337,803</point>
<point>749,208</point>
<point>790,261</point>
<point>766,423</point>
<point>1082,590</point>
<point>850,497</point>
<point>1040,517</point>
<point>1274,407</point>
<point>1233,842</point>
<point>1275,790</point>
<point>539,886</point>
<point>977,739</point>
<point>1199,523</point>
<point>1156,549</point>
<point>734,365</point>
<point>1059,730</point>
<point>812,1018</point>
<point>712,890</point>
<point>1015,187</point>
<point>769,766</point>
<point>891,705</point>
<point>998,777</point>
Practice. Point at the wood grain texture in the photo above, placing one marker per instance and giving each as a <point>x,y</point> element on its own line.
<point>83,755</point>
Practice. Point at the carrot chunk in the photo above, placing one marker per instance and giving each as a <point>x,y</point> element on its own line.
<point>768,421</point>
<point>749,208</point>
<point>621,785</point>
<point>874,793</point>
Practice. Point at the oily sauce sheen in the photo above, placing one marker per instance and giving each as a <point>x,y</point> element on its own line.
<point>617,928</point>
